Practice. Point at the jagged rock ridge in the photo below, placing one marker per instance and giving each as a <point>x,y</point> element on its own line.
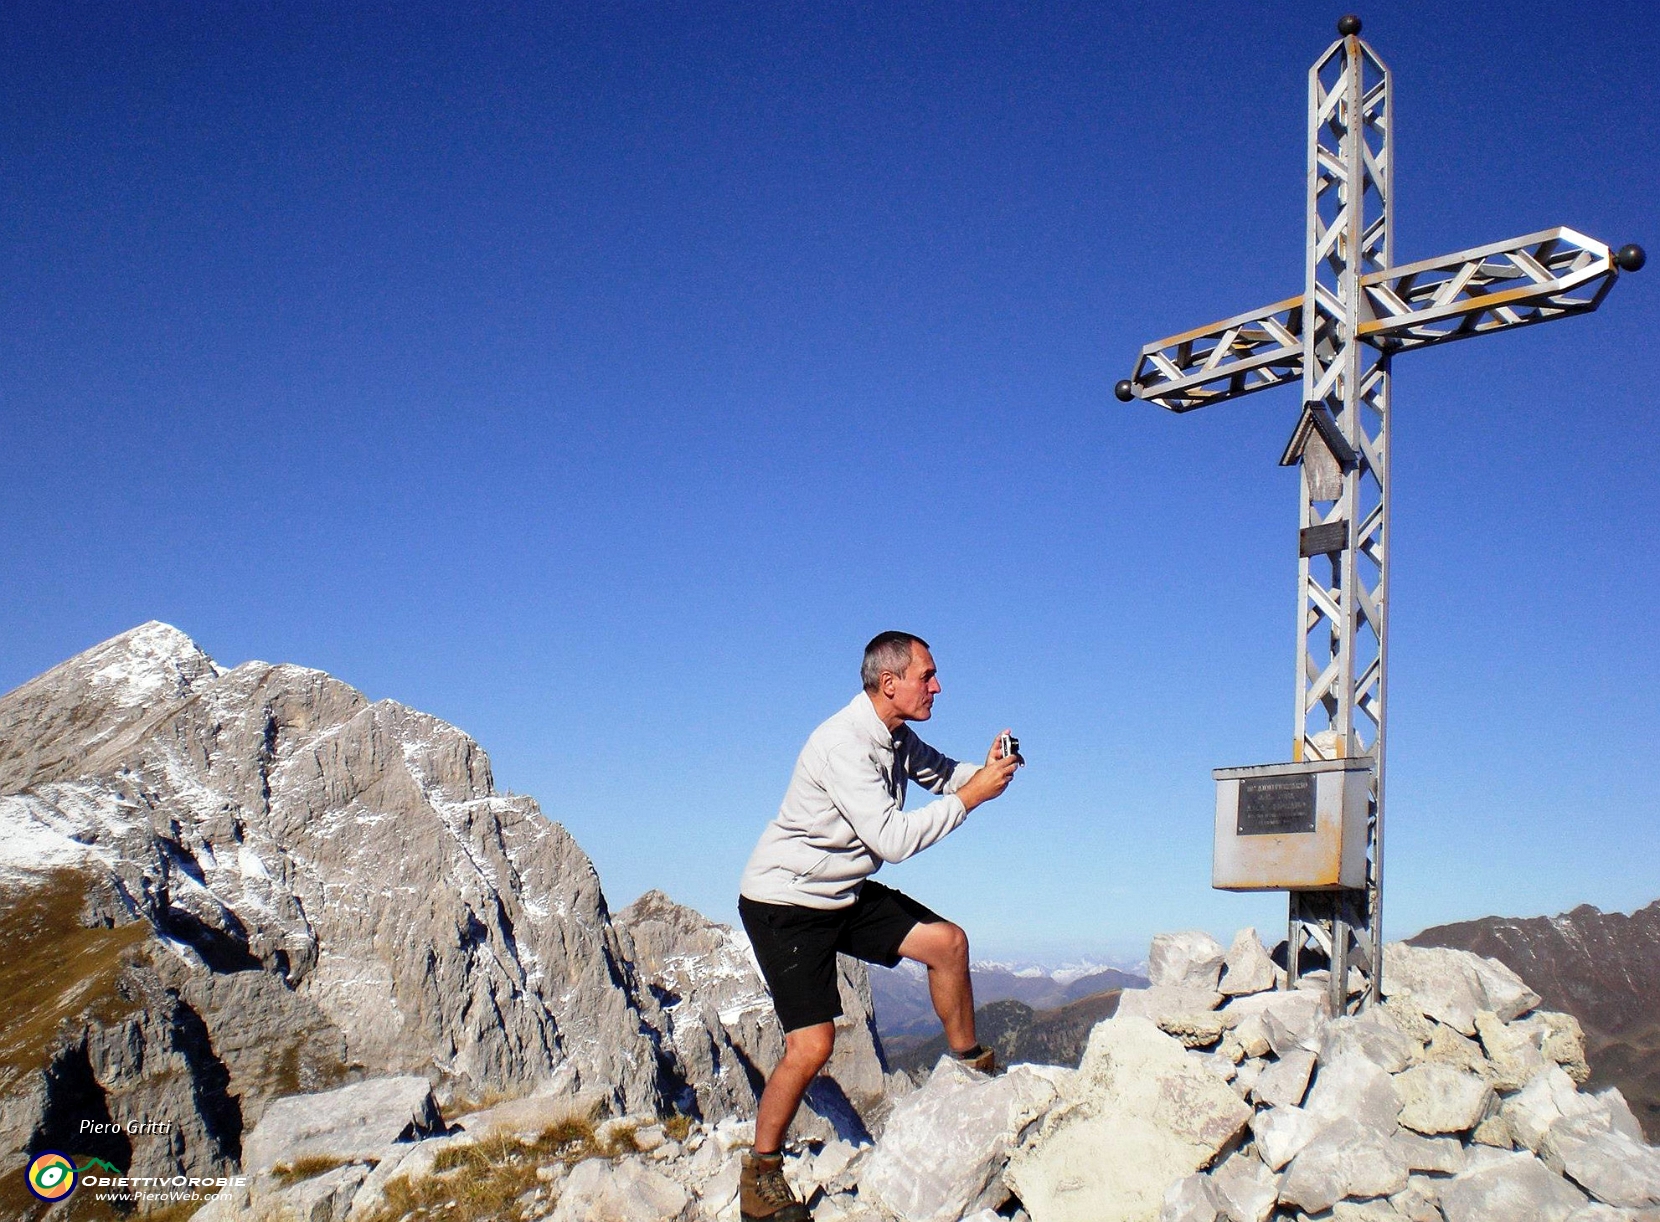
<point>1603,968</point>
<point>328,888</point>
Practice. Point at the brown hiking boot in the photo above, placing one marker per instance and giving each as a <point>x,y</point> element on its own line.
<point>764,1194</point>
<point>985,1063</point>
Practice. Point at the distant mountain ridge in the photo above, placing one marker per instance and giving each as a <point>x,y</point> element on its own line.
<point>1016,1031</point>
<point>903,1007</point>
<point>1601,967</point>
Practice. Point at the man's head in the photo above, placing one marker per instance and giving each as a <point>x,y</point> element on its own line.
<point>900,678</point>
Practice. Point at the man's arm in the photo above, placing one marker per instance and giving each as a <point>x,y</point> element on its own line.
<point>934,770</point>
<point>854,784</point>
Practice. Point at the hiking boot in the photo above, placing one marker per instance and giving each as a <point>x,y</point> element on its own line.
<point>764,1194</point>
<point>985,1061</point>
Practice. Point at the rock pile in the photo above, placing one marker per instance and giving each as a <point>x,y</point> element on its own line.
<point>1212,1096</point>
<point>1455,1099</point>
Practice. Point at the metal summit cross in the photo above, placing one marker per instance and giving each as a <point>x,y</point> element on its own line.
<point>1314,826</point>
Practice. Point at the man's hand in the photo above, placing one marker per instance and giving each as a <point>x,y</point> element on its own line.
<point>991,780</point>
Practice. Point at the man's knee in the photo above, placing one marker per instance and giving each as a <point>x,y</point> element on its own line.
<point>811,1046</point>
<point>939,944</point>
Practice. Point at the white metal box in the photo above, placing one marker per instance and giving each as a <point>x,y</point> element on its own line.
<point>1292,827</point>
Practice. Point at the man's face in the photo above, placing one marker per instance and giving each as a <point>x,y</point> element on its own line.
<point>913,696</point>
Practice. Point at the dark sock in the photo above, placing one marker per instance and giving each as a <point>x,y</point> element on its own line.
<point>776,1156</point>
<point>968,1054</point>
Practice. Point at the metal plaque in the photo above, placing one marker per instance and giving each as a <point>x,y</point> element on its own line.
<point>1276,805</point>
<point>1324,539</point>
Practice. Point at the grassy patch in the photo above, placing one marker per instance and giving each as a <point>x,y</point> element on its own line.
<point>487,1180</point>
<point>55,969</point>
<point>305,1168</point>
<point>678,1127</point>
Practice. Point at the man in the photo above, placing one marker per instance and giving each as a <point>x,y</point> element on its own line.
<point>805,894</point>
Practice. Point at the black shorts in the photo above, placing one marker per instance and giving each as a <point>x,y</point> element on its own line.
<point>796,947</point>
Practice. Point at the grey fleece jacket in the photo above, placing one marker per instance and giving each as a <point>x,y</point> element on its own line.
<point>842,816</point>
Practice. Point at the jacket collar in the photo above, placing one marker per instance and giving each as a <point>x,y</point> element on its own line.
<point>869,724</point>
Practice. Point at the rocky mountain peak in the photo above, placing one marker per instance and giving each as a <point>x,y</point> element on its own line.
<point>326,889</point>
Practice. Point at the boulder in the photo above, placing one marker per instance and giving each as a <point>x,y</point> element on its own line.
<point>323,1198</point>
<point>1442,1155</point>
<point>625,1191</point>
<point>1561,1039</point>
<point>1448,1047</point>
<point>1514,1053</point>
<point>1194,1030</point>
<point>1364,1211</point>
<point>1252,1034</point>
<point>1549,1097</point>
<point>945,1145</point>
<point>1439,1098</point>
<point>1140,1114</point>
<point>1417,1202</point>
<point>1247,968</point>
<point>1281,1133</point>
<point>1290,1019</point>
<point>1247,1189</point>
<point>1450,986</point>
<point>352,1123</point>
<point>1509,1188</point>
<point>1602,1160</point>
<point>1188,960</point>
<point>1164,1002</point>
<point>1192,1199</point>
<point>1349,1085</point>
<point>1284,1082</point>
<point>1345,1159</point>
<point>1382,1044</point>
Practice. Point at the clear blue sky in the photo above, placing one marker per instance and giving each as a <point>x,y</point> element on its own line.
<point>600,379</point>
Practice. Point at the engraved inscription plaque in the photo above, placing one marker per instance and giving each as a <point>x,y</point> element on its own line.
<point>1276,805</point>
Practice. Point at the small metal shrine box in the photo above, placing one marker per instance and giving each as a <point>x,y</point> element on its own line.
<point>1292,827</point>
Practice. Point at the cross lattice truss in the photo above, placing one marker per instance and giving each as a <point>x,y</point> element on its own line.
<point>1339,338</point>
<point>1537,278</point>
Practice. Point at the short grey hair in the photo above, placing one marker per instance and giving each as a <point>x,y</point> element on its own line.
<point>888,651</point>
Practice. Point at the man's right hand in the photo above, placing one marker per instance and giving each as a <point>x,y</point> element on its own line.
<point>991,780</point>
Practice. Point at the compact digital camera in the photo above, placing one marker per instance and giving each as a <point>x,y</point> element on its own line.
<point>1009,744</point>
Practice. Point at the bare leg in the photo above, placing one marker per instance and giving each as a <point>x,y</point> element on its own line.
<point>806,1049</point>
<point>943,948</point>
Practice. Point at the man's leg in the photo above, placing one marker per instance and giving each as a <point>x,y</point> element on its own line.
<point>806,1050</point>
<point>943,948</point>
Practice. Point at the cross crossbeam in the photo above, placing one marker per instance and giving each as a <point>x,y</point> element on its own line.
<point>1339,337</point>
<point>1527,280</point>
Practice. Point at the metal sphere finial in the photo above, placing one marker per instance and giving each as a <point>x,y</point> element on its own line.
<point>1348,24</point>
<point>1630,257</point>
<point>1125,390</point>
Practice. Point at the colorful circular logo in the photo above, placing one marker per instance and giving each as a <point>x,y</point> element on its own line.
<point>51,1176</point>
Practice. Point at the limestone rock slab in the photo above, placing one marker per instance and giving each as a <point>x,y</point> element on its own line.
<point>1350,1085</point>
<point>1247,1189</point>
<point>945,1145</point>
<point>1188,960</point>
<point>1509,1188</point>
<point>1345,1159</point>
<point>625,1191</point>
<point>1192,1199</point>
<point>1281,1133</point>
<point>1285,1082</point>
<point>1139,1114</point>
<point>1247,968</point>
<point>1450,986</point>
<point>1437,1098</point>
<point>1604,1161</point>
<point>1164,1002</point>
<point>352,1122</point>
